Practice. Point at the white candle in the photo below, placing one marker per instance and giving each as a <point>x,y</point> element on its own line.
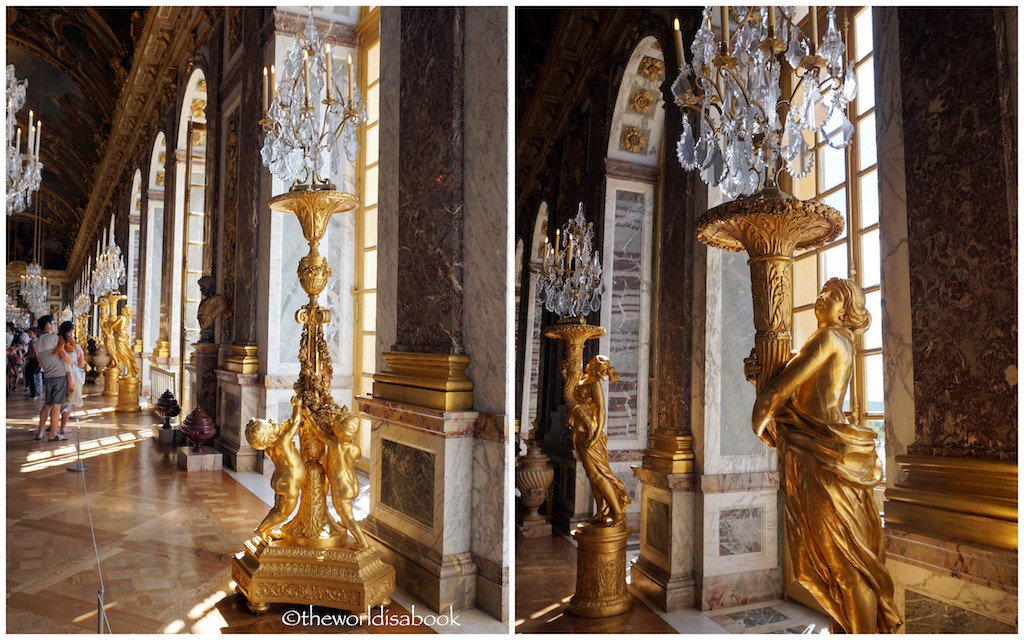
<point>305,65</point>
<point>19,141</point>
<point>39,134</point>
<point>31,119</point>
<point>330,78</point>
<point>680,51</point>
<point>273,84</point>
<point>814,29</point>
<point>350,79</point>
<point>264,91</point>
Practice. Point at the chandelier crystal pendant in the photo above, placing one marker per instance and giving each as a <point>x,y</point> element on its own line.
<point>24,171</point>
<point>746,129</point>
<point>308,116</point>
<point>82,305</point>
<point>16,314</point>
<point>109,274</point>
<point>570,279</point>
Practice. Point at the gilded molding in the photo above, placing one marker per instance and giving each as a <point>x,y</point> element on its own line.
<point>198,106</point>
<point>652,68</point>
<point>641,101</point>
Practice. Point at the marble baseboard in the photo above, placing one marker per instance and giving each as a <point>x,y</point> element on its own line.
<point>727,482</point>
<point>984,566</point>
<point>189,460</point>
<point>492,597</point>
<point>667,592</point>
<point>169,436</point>
<point>240,458</point>
<point>735,589</point>
<point>438,582</point>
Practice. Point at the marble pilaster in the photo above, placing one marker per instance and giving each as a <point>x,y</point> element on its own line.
<point>421,499</point>
<point>237,402</point>
<point>663,571</point>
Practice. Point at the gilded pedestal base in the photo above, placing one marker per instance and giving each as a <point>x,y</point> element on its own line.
<point>335,577</point>
<point>600,572</point>
<point>110,380</point>
<point>239,358</point>
<point>430,380</point>
<point>128,394</point>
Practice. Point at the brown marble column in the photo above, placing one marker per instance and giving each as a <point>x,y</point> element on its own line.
<point>427,363</point>
<point>947,169</point>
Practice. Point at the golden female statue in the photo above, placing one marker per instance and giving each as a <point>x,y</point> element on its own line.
<point>342,453</point>
<point>123,354</point>
<point>829,469</point>
<point>584,397</point>
<point>289,467</point>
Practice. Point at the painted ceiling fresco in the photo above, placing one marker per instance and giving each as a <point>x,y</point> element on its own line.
<point>75,60</point>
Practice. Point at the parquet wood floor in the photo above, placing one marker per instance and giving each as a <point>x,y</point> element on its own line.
<point>164,538</point>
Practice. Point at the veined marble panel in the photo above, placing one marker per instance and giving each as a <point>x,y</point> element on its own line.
<point>725,442</point>
<point>734,589</point>
<point>657,528</point>
<point>946,587</point>
<point>625,309</point>
<point>724,517</point>
<point>928,615</point>
<point>897,355</point>
<point>674,554</point>
<point>489,502</point>
<point>387,189</point>
<point>405,471</point>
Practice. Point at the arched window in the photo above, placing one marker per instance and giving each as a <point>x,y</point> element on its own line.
<point>132,250</point>
<point>154,242</point>
<point>190,225</point>
<point>531,341</point>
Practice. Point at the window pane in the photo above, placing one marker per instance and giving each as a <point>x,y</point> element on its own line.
<point>195,229</point>
<point>369,354</point>
<point>804,324</point>
<point>373,62</point>
<point>369,312</point>
<point>846,398</point>
<point>834,263</point>
<point>866,86</point>
<point>833,166</point>
<point>372,152</point>
<point>373,104</point>
<point>370,187</point>
<point>805,281</point>
<point>874,383</point>
<point>838,200</point>
<point>870,260</point>
<point>869,199</point>
<point>873,336</point>
<point>370,269</point>
<point>862,25</point>
<point>866,142</point>
<point>803,188</point>
<point>370,227</point>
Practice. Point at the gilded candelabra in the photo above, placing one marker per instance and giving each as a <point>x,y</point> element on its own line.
<point>309,560</point>
<point>107,349</point>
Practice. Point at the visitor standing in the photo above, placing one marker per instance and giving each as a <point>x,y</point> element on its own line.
<point>55,382</point>
<point>74,367</point>
<point>32,363</point>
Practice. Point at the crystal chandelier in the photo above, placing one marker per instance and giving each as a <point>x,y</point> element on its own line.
<point>746,128</point>
<point>33,289</point>
<point>570,279</point>
<point>109,274</point>
<point>306,118</point>
<point>16,314</point>
<point>24,171</point>
<point>66,314</point>
<point>82,304</point>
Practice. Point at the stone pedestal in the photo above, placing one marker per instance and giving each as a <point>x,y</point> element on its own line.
<point>189,460</point>
<point>421,499</point>
<point>238,401</point>
<point>339,578</point>
<point>663,572</point>
<point>600,571</point>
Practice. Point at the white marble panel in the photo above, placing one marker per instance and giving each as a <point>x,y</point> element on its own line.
<point>977,598</point>
<point>453,460</point>
<point>488,502</point>
<point>897,354</point>
<point>679,560</point>
<point>486,230</point>
<point>717,504</point>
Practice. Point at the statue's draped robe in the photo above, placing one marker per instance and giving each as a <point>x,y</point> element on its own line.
<point>828,473</point>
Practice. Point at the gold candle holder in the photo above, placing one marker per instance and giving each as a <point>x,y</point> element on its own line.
<point>310,561</point>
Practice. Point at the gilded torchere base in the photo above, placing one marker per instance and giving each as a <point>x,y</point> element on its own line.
<point>335,577</point>
<point>600,571</point>
<point>128,395</point>
<point>110,380</point>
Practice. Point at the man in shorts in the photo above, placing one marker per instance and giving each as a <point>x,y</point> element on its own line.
<point>55,380</point>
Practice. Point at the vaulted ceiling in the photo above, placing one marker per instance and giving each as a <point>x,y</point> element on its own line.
<point>75,60</point>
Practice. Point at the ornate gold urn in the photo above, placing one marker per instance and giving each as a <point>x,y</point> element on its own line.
<point>601,542</point>
<point>311,560</point>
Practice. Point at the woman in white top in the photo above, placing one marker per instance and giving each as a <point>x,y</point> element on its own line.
<point>74,364</point>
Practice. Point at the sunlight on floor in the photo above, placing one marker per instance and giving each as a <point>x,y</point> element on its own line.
<point>66,455</point>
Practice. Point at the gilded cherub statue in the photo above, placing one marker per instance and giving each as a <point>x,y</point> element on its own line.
<point>123,354</point>
<point>584,397</point>
<point>107,334</point>
<point>342,453</point>
<point>289,467</point>
<point>829,468</point>
<point>212,307</point>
